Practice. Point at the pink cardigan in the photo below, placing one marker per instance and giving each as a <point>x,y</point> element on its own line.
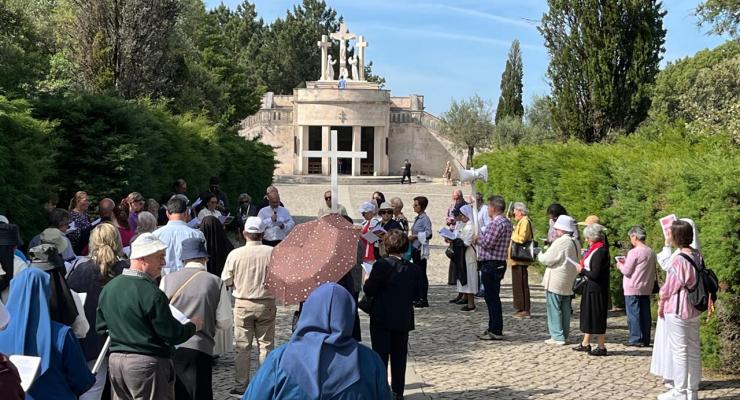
<point>674,294</point>
<point>639,271</point>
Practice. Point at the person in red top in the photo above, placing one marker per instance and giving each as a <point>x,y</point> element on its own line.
<point>367,210</point>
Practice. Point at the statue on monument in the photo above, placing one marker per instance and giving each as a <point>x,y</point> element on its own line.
<point>343,72</point>
<point>330,68</point>
<point>353,63</point>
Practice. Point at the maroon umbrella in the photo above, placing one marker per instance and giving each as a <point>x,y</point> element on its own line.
<point>315,252</point>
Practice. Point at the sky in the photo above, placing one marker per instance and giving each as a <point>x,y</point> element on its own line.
<point>453,49</point>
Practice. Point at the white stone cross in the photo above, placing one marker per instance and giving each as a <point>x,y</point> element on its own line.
<point>361,44</point>
<point>335,155</point>
<point>324,44</point>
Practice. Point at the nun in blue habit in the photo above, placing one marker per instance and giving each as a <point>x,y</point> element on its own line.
<point>322,360</point>
<point>63,373</point>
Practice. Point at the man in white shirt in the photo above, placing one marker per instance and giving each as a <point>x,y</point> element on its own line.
<point>277,220</point>
<point>175,232</point>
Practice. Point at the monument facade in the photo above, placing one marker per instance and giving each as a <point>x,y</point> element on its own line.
<point>367,120</point>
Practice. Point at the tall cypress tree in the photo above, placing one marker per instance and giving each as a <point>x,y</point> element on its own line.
<point>604,58</point>
<point>510,101</point>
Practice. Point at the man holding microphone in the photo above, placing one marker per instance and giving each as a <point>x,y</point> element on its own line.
<point>277,220</point>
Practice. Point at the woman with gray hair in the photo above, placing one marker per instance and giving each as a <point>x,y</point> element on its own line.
<point>397,204</point>
<point>594,266</point>
<point>521,234</point>
<point>638,269</point>
<point>146,223</point>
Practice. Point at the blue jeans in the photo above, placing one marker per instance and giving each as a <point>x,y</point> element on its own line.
<point>492,272</point>
<point>639,319</point>
<point>558,315</point>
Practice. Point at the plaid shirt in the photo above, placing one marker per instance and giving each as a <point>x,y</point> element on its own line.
<point>494,244</point>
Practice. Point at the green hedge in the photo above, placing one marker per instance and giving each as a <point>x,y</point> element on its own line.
<point>26,159</point>
<point>661,169</point>
<point>110,147</point>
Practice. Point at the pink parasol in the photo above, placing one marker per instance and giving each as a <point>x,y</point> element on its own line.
<point>315,252</point>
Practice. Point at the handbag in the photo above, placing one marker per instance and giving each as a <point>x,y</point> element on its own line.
<point>524,251</point>
<point>579,284</point>
<point>366,304</point>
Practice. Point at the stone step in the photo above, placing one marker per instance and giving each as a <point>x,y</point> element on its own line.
<point>345,179</point>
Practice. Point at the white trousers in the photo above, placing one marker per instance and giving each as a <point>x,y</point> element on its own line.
<point>683,336</point>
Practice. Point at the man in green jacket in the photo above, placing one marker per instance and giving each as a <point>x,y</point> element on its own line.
<point>136,315</point>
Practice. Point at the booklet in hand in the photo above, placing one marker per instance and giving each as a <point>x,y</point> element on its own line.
<point>666,223</point>
<point>447,233</point>
<point>370,237</point>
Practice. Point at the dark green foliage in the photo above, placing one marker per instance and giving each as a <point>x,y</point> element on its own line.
<point>604,57</point>
<point>110,147</point>
<point>26,155</point>
<point>22,60</point>
<point>510,102</point>
<point>723,15</point>
<point>662,169</point>
<point>703,90</point>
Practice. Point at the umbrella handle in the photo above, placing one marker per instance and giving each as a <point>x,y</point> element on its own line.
<point>101,356</point>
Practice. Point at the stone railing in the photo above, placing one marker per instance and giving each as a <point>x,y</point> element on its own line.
<point>268,117</point>
<point>416,117</point>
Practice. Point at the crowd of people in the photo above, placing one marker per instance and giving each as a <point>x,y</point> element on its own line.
<point>166,292</point>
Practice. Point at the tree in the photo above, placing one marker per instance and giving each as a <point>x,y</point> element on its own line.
<point>23,62</point>
<point>467,124</point>
<point>128,46</point>
<point>289,56</point>
<point>510,101</point>
<point>217,61</point>
<point>604,58</point>
<point>723,15</point>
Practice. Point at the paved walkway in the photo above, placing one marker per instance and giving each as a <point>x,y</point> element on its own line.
<point>447,361</point>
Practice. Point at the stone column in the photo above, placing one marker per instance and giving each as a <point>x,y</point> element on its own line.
<point>325,146</point>
<point>380,160</point>
<point>356,146</point>
<point>302,162</point>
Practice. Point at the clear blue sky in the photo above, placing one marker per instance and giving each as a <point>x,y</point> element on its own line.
<point>445,49</point>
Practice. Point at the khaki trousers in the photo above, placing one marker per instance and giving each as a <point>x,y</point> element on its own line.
<point>141,377</point>
<point>252,319</point>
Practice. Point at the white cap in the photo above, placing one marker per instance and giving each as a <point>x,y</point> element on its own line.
<point>564,223</point>
<point>4,316</point>
<point>367,207</point>
<point>254,225</point>
<point>4,219</point>
<point>146,244</point>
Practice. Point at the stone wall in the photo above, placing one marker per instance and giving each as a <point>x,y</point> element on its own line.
<point>415,142</point>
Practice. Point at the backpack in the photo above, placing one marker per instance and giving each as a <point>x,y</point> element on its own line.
<point>704,293</point>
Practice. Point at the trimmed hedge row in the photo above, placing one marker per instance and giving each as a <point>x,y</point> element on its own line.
<point>661,169</point>
<point>109,147</point>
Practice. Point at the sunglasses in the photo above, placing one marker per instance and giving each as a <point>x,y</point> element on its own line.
<point>327,198</point>
<point>385,212</point>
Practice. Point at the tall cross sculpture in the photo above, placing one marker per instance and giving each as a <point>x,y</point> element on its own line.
<point>343,35</point>
<point>360,45</point>
<point>324,44</point>
<point>335,155</point>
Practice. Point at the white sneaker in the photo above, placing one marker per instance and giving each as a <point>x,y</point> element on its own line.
<point>672,395</point>
<point>668,384</point>
<point>555,342</point>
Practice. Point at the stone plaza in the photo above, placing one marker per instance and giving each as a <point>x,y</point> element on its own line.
<point>447,361</point>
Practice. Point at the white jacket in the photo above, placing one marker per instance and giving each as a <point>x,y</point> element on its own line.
<point>560,273</point>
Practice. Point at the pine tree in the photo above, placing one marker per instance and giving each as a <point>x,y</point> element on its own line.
<point>510,101</point>
<point>604,58</point>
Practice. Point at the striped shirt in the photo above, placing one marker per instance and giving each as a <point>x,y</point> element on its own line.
<point>494,243</point>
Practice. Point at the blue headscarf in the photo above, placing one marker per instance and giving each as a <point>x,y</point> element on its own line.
<point>322,357</point>
<point>29,330</point>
